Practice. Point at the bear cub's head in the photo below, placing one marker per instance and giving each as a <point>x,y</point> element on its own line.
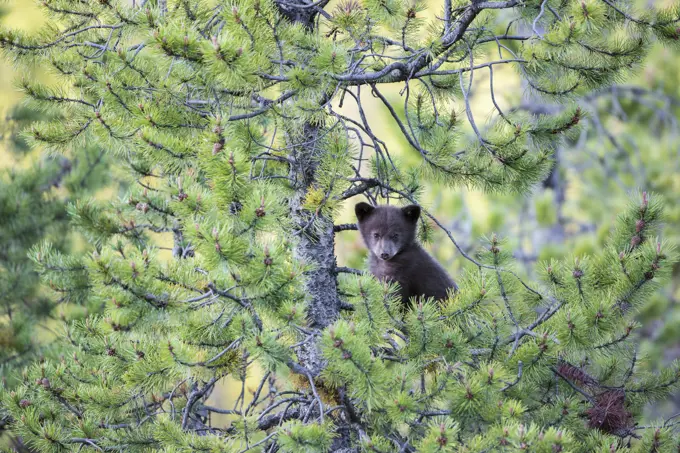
<point>387,230</point>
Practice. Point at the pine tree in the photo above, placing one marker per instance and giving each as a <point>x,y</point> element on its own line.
<point>34,193</point>
<point>628,139</point>
<point>229,120</point>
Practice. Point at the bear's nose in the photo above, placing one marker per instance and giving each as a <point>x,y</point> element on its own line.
<point>385,256</point>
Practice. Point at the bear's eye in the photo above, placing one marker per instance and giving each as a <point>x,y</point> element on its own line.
<point>394,237</point>
<point>376,235</point>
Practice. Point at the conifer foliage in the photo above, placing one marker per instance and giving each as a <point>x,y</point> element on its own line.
<point>33,202</point>
<point>226,118</point>
<point>34,193</point>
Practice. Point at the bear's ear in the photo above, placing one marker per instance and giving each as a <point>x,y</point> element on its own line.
<point>411,213</point>
<point>363,211</point>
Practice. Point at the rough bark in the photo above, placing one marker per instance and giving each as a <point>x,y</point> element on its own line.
<point>314,246</point>
<point>314,243</point>
<point>303,15</point>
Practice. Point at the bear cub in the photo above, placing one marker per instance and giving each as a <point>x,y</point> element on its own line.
<point>395,255</point>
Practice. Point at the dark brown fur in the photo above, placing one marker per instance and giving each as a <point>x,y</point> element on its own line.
<point>395,255</point>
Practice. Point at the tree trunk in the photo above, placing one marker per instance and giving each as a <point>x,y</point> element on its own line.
<point>314,245</point>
